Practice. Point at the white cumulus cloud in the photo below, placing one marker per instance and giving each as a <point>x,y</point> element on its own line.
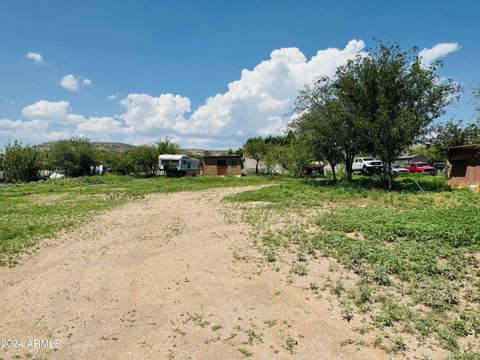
<point>30,131</point>
<point>429,55</point>
<point>274,126</point>
<point>73,82</point>
<point>51,111</point>
<point>98,125</point>
<point>70,82</point>
<point>35,57</point>
<point>254,104</point>
<point>145,113</point>
<point>19,125</point>
<point>53,120</point>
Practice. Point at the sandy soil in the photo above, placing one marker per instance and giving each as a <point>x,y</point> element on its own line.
<point>165,277</point>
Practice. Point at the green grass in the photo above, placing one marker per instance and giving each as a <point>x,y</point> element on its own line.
<point>417,256</point>
<point>33,210</point>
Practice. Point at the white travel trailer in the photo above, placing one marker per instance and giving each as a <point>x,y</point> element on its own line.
<point>178,165</point>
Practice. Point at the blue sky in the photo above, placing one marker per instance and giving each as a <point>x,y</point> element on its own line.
<point>135,71</point>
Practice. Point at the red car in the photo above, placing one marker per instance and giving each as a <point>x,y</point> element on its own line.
<point>421,167</point>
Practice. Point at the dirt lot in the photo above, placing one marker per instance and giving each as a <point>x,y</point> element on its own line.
<point>170,276</point>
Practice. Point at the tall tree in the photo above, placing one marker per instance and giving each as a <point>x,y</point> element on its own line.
<point>20,162</point>
<point>73,156</point>
<point>296,155</point>
<point>476,95</point>
<point>395,98</point>
<point>320,126</point>
<point>255,148</point>
<point>333,108</point>
<point>454,133</point>
<point>111,159</point>
<point>141,159</point>
<point>167,146</point>
<point>272,156</point>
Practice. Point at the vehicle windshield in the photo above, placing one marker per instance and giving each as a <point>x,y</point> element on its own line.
<point>422,164</point>
<point>395,166</point>
<point>368,159</point>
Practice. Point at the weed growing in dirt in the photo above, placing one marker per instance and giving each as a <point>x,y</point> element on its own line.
<point>346,311</point>
<point>216,327</point>
<point>270,255</point>
<point>290,345</point>
<point>270,323</point>
<point>299,269</point>
<point>245,352</point>
<point>253,337</point>
<point>415,251</point>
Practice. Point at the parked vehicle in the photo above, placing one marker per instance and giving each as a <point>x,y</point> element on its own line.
<point>57,175</point>
<point>440,166</point>
<point>396,168</point>
<point>98,169</point>
<point>421,167</point>
<point>367,165</point>
<point>178,165</point>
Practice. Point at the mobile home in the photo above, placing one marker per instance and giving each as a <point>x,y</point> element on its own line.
<point>178,165</point>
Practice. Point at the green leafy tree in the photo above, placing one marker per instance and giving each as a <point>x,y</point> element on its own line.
<point>255,148</point>
<point>271,156</point>
<point>476,95</point>
<point>296,156</point>
<point>166,146</point>
<point>111,159</point>
<point>276,152</point>
<point>238,152</point>
<point>320,129</point>
<point>395,98</point>
<point>452,134</point>
<point>337,114</point>
<point>73,156</point>
<point>141,159</point>
<point>287,153</point>
<point>20,162</point>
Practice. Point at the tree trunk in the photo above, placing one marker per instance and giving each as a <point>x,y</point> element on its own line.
<point>389,175</point>
<point>348,167</point>
<point>256,167</point>
<point>332,165</point>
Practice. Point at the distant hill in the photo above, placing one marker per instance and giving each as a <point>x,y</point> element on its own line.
<point>109,146</point>
<point>121,148</point>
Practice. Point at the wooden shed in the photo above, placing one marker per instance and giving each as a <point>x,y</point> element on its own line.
<point>222,165</point>
<point>464,165</point>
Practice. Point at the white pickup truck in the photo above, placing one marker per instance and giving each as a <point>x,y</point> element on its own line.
<point>367,165</point>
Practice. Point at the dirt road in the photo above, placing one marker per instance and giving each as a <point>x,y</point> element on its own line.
<point>165,277</point>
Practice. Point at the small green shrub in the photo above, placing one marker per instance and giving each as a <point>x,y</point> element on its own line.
<point>299,269</point>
